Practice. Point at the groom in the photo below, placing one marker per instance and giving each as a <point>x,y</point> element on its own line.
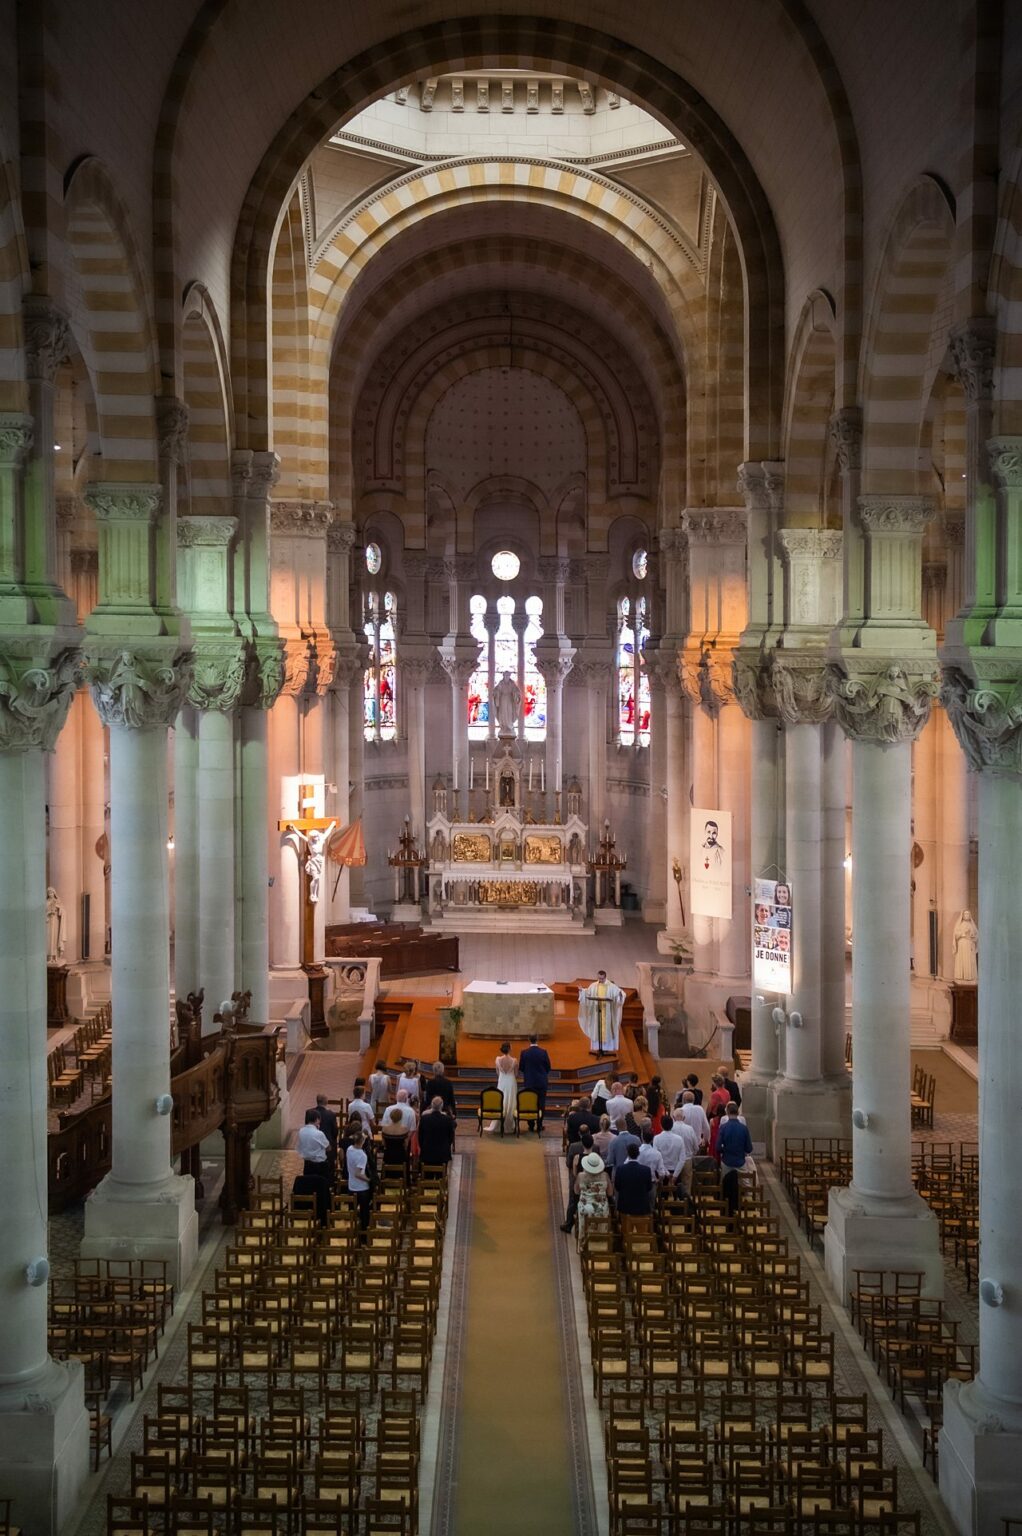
<point>534,1064</point>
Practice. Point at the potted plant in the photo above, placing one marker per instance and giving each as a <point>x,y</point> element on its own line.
<point>450,1028</point>
<point>681,949</point>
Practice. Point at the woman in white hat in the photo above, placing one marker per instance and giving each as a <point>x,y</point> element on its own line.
<point>593,1187</point>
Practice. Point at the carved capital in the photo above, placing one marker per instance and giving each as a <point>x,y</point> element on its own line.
<point>554,669</point>
<point>47,339</point>
<point>206,532</point>
<point>972,348</point>
<point>348,664</point>
<point>809,544</point>
<point>115,503</point>
<point>298,664</point>
<point>323,659</point>
<point>265,673</point>
<point>954,532</point>
<point>172,428</point>
<point>301,519</point>
<point>707,679</point>
<point>800,685</point>
<point>459,568</point>
<point>458,668</point>
<point>716,525</point>
<point>553,570</point>
<point>341,537</point>
<point>219,677</point>
<point>1005,458</point>
<point>845,431</point>
<point>896,514</point>
<point>672,541</point>
<point>887,704</point>
<point>16,438</point>
<point>986,716</point>
<point>752,686</point>
<point>263,474</point>
<point>416,670</point>
<point>38,680</point>
<point>137,685</point>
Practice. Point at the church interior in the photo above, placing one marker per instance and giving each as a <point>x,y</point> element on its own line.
<point>510,527</point>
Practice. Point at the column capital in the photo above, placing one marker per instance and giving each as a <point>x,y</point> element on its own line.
<point>954,532</point>
<point>265,673</point>
<point>415,670</point>
<point>263,473</point>
<point>301,519</point>
<point>47,333</point>
<point>715,525</point>
<point>973,347</point>
<point>986,714</point>
<point>39,676</point>
<point>117,503</point>
<point>845,432</point>
<point>172,417</point>
<point>672,541</point>
<point>800,688</point>
<point>707,678</point>
<point>884,703</point>
<point>761,484</point>
<point>1005,458</point>
<point>17,433</point>
<point>459,567</point>
<point>220,673</point>
<point>341,537</point>
<point>349,661</point>
<point>416,563</point>
<point>137,685</point>
<point>554,669</point>
<point>752,685</point>
<point>297,667</point>
<point>896,516</point>
<point>554,570</point>
<point>459,668</point>
<point>206,532</point>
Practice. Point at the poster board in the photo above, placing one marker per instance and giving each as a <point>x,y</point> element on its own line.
<point>710,862</point>
<point>771,935</point>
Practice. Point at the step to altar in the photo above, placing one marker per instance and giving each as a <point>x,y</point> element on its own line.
<point>520,919</point>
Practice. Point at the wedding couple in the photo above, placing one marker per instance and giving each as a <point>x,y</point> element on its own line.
<point>535,1069</point>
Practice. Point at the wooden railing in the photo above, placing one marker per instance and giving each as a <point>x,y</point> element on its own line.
<point>231,1088</point>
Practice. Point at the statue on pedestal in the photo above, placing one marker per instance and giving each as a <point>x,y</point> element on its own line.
<point>966,948</point>
<point>54,928</point>
<point>507,705</point>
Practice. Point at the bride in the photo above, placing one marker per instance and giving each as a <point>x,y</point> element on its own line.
<point>507,1082</point>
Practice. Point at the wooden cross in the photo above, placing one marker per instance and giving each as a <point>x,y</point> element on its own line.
<point>304,825</point>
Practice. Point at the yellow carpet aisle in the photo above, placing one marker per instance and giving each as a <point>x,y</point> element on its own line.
<point>514,1472</point>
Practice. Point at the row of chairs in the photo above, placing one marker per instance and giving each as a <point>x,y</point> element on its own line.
<point>81,1063</point>
<point>922,1098</point>
<point>946,1174</point>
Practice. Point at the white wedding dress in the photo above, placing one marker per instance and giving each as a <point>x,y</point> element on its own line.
<point>507,1082</point>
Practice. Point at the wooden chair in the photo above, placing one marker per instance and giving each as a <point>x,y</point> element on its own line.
<point>491,1108</point>
<point>127,1517</point>
<point>528,1110</point>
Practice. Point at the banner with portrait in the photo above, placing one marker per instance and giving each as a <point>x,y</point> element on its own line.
<point>710,863</point>
<point>771,935</point>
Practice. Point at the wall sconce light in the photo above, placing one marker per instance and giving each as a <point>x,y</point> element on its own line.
<point>795,1019</point>
<point>779,1016</point>
<point>38,1272</point>
<point>164,1104</point>
<point>991,1293</point>
<point>860,1119</point>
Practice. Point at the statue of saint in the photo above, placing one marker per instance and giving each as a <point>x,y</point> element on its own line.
<point>507,704</point>
<point>966,947</point>
<point>507,790</point>
<point>54,928</point>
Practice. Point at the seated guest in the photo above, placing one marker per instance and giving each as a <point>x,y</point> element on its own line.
<point>573,1157</point>
<point>410,1082</point>
<point>581,1114</point>
<point>649,1155</point>
<point>396,1139</point>
<point>436,1134</point>
<point>734,1146</point>
<point>313,1147</point>
<point>603,1137</point>
<point>379,1089</point>
<point>440,1087</point>
<point>359,1105</point>
<point>618,1148</point>
<point>633,1192</point>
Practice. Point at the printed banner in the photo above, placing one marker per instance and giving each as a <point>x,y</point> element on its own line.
<point>710,863</point>
<point>771,935</point>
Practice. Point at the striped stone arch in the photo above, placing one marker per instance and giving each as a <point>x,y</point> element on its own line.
<point>944,441</point>
<point>206,392</point>
<point>358,340</point>
<point>727,366</point>
<point>14,280</point>
<point>493,42</point>
<point>111,321</point>
<point>808,407</point>
<point>906,339</point>
<point>1005,296</point>
<point>434,193</point>
<point>298,394</point>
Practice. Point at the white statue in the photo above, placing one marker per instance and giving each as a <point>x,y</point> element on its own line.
<point>315,849</point>
<point>54,927</point>
<point>507,704</point>
<point>966,947</point>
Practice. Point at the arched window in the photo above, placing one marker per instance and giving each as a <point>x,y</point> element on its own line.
<point>632,678</point>
<point>479,682</point>
<point>533,685</point>
<point>379,689</point>
<point>503,649</point>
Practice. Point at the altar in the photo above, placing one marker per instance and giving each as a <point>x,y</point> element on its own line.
<point>506,1010</point>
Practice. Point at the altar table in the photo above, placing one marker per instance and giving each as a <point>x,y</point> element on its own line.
<point>502,1010</point>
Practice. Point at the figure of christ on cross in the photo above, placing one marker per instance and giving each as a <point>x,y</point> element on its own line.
<point>314,832</point>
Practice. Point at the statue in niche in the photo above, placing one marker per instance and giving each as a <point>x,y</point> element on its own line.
<point>966,948</point>
<point>507,789</point>
<point>575,849</point>
<point>507,704</point>
<point>54,928</point>
<point>439,849</point>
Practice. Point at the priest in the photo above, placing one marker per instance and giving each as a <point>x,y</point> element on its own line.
<point>599,1014</point>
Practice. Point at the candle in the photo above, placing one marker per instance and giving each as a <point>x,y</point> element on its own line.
<point>487,773</point>
<point>471,773</point>
<point>530,775</point>
<point>542,776</point>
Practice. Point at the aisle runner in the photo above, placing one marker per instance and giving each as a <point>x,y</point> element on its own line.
<point>514,1471</point>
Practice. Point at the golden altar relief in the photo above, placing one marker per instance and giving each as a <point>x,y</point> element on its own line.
<point>508,893</point>
<point>470,848</point>
<point>543,849</point>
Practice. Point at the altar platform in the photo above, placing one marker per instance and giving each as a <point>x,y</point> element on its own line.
<point>496,1010</point>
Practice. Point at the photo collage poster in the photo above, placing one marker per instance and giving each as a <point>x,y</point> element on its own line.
<point>771,935</point>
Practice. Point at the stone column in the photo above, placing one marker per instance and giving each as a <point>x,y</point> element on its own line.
<point>953,782</point>
<point>186,856</point>
<point>44,1428</point>
<point>285,762</point>
<point>141,1208</point>
<point>65,840</point>
<point>597,673</point>
<point>252,884</point>
<point>347,668</point>
<point>47,334</point>
<point>660,887</point>
<point>459,666</point>
<point>733,772</point>
<point>832,932</point>
<point>554,668</point>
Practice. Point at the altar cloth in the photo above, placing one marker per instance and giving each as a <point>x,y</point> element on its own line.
<point>502,1010</point>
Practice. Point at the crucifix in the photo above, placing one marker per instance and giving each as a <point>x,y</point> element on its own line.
<point>314,832</point>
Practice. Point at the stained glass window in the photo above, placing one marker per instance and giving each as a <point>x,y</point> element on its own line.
<point>534,688</point>
<point>374,559</point>
<point>499,653</point>
<point>479,682</point>
<point>379,688</point>
<point>642,675</point>
<point>640,564</point>
<point>633,698</point>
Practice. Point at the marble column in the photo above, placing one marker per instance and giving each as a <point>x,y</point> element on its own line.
<point>65,840</point>
<point>251,910</point>
<point>733,770</point>
<point>832,927</point>
<point>44,1427</point>
<point>141,1208</point>
<point>285,869</point>
<point>215,793</point>
<point>660,885</point>
<point>553,669</point>
<point>47,341</point>
<point>459,667</point>
<point>597,672</point>
<point>92,790</point>
<point>186,857</point>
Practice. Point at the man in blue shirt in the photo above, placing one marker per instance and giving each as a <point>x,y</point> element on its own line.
<point>618,1149</point>
<point>734,1145</point>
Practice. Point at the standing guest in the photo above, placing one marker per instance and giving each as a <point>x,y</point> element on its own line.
<point>656,1100</point>
<point>436,1135</point>
<point>618,1149</point>
<point>672,1148</point>
<point>359,1105</point>
<point>639,1117</point>
<point>719,1101</point>
<point>734,1145</point>
<point>327,1119</point>
<point>379,1089</point>
<point>440,1087</point>
<point>580,1114</point>
<point>649,1155</point>
<point>313,1147</point>
<point>603,1137</point>
<point>601,1093</point>
<point>690,1141</point>
<point>692,1084</point>
<point>734,1092</point>
<point>618,1106</point>
<point>633,1192</point>
<point>408,1116</point>
<point>534,1064</point>
<point>357,1161</point>
<point>507,1083</point>
<point>396,1141</point>
<point>593,1190</point>
<point>573,1157</point>
<point>410,1082</point>
<point>354,1126</point>
<point>695,1115</point>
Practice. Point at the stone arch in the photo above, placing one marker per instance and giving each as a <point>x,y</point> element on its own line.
<point>13,283</point>
<point>809,405</point>
<point>906,339</point>
<point>296,400</point>
<point>111,319</point>
<point>206,392</point>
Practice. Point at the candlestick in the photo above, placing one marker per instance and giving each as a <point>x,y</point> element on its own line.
<point>487,773</point>
<point>530,775</point>
<point>542,775</point>
<point>471,773</point>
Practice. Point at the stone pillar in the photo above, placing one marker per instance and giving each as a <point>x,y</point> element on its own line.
<point>660,886</point>
<point>44,1428</point>
<point>553,669</point>
<point>186,856</point>
<point>16,437</point>
<point>253,798</point>
<point>215,794</point>
<point>141,1209</point>
<point>597,673</point>
<point>47,339</point>
<point>733,773</point>
<point>65,840</point>
<point>285,904</point>
<point>347,668</point>
<point>832,930</point>
<point>459,666</point>
<point>677,779</point>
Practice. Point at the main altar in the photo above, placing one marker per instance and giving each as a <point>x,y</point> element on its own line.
<point>517,854</point>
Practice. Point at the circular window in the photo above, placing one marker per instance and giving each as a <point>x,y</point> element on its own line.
<point>374,559</point>
<point>640,564</point>
<point>505,565</point>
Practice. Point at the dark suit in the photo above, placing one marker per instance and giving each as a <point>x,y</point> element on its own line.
<point>436,1137</point>
<point>328,1124</point>
<point>439,1088</point>
<point>633,1186</point>
<point>534,1065</point>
